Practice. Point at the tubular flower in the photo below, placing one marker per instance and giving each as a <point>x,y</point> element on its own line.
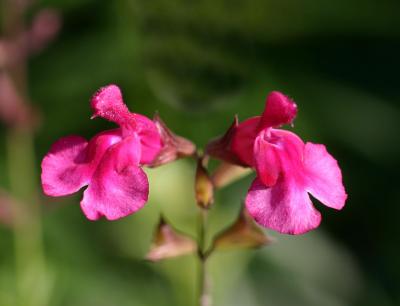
<point>109,164</point>
<point>287,170</point>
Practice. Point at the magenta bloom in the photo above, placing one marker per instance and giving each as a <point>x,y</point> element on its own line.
<point>110,163</point>
<point>287,170</point>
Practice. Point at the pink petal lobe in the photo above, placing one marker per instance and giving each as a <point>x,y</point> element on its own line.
<point>285,207</point>
<point>243,140</point>
<point>108,104</point>
<point>71,161</point>
<point>266,159</point>
<point>279,110</point>
<point>289,149</point>
<point>99,144</point>
<point>323,176</point>
<point>150,138</point>
<point>118,187</point>
<point>64,169</point>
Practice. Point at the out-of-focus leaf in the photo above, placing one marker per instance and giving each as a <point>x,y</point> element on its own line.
<point>195,53</point>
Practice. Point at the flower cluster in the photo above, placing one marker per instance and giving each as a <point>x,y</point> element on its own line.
<point>110,164</point>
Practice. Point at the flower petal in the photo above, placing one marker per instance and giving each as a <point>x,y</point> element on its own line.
<point>243,140</point>
<point>323,176</point>
<point>290,150</point>
<point>285,207</point>
<point>64,169</point>
<point>149,138</point>
<point>100,143</point>
<point>107,103</point>
<point>118,187</point>
<point>71,161</point>
<point>279,110</point>
<point>266,158</point>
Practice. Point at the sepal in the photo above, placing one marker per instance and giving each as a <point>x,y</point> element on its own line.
<point>174,146</point>
<point>168,243</point>
<point>227,173</point>
<point>220,148</point>
<point>243,234</point>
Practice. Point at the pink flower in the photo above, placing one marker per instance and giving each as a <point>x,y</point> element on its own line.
<point>110,163</point>
<point>287,170</point>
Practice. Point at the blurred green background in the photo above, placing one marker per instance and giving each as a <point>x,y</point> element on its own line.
<point>199,63</point>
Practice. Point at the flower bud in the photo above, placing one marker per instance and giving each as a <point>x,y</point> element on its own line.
<point>44,28</point>
<point>204,188</point>
<point>14,110</point>
<point>168,243</point>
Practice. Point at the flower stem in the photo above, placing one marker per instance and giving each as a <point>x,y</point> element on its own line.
<point>204,298</point>
<point>29,258</point>
<point>32,281</point>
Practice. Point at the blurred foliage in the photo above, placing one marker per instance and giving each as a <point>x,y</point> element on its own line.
<point>198,63</point>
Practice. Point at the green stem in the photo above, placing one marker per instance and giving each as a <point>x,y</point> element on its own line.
<point>203,291</point>
<point>31,275</point>
<point>29,258</point>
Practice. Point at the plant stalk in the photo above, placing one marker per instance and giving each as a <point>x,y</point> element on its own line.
<point>32,283</point>
<point>204,297</point>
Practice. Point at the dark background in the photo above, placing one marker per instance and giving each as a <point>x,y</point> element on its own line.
<point>198,63</point>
